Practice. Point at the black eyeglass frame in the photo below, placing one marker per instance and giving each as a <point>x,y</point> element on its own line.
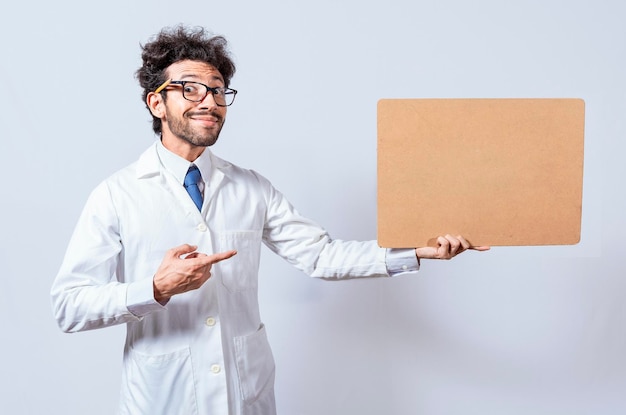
<point>213,91</point>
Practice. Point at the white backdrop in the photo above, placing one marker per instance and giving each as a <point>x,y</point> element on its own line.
<point>526,330</point>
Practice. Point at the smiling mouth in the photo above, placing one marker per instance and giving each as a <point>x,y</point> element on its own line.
<point>205,118</point>
<point>206,121</point>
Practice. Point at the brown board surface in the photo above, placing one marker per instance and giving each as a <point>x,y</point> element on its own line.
<point>500,172</point>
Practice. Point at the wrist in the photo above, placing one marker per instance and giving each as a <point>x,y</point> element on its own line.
<point>159,296</point>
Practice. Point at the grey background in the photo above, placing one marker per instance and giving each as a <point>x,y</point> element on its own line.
<point>525,330</point>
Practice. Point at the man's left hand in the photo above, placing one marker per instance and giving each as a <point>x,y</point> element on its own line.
<point>447,247</point>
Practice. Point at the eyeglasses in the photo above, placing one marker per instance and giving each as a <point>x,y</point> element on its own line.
<point>196,92</point>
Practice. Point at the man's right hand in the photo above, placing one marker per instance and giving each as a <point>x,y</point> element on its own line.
<point>183,269</point>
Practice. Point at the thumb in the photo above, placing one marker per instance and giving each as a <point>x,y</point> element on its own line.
<point>426,252</point>
<point>181,250</point>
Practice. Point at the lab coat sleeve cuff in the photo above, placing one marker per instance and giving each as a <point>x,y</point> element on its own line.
<point>401,261</point>
<point>140,298</point>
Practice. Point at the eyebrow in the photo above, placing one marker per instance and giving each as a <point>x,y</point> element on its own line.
<point>214,78</point>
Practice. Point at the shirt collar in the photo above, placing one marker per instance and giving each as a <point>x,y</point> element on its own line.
<point>178,166</point>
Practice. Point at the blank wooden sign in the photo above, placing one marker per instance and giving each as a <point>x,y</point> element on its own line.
<point>497,171</point>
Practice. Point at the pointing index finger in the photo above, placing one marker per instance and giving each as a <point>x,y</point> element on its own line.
<point>220,256</point>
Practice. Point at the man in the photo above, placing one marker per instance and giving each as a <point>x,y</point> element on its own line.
<point>170,245</point>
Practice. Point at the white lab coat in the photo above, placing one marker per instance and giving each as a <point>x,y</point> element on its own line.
<point>206,351</point>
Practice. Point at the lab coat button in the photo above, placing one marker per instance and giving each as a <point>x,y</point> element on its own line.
<point>210,321</point>
<point>216,369</point>
<point>404,267</point>
<point>201,227</point>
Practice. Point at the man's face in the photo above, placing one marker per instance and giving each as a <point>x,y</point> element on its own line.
<point>196,123</point>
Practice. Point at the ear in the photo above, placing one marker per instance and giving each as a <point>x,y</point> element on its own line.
<point>155,104</point>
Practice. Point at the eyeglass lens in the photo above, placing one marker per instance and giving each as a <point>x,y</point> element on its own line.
<point>196,92</point>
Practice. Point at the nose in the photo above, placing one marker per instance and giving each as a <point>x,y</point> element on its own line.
<point>208,101</point>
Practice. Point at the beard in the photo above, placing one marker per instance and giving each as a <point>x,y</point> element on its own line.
<point>182,128</point>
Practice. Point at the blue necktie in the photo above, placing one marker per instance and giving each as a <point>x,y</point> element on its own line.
<point>191,185</point>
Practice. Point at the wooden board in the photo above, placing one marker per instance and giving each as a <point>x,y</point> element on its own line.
<point>497,171</point>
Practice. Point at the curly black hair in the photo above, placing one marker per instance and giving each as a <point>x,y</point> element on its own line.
<point>174,44</point>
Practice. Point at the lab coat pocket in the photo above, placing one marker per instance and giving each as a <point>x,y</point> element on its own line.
<point>255,365</point>
<point>159,384</point>
<point>241,271</point>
